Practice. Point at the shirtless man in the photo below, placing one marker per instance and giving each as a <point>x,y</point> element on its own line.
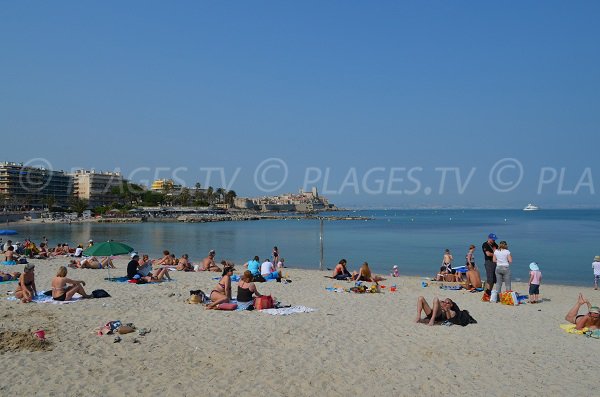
<point>208,263</point>
<point>473,277</point>
<point>590,320</point>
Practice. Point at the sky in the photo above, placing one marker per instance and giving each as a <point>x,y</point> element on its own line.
<point>391,104</point>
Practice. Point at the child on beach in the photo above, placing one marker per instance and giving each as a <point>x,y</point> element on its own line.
<point>535,279</point>
<point>395,272</point>
<point>596,267</point>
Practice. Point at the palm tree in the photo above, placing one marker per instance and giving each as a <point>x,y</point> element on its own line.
<point>210,195</point>
<point>78,205</point>
<point>220,194</point>
<point>230,197</point>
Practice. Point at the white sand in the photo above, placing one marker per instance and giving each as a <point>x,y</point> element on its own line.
<point>354,344</point>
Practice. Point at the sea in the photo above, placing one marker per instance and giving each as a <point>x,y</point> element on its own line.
<point>562,242</point>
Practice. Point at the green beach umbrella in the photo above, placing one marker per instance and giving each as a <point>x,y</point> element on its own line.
<point>108,248</point>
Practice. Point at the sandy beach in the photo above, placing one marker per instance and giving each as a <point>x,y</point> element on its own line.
<point>359,344</point>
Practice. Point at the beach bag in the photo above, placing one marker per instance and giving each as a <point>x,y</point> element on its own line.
<point>485,297</point>
<point>494,296</point>
<point>22,261</point>
<point>263,302</point>
<point>100,293</point>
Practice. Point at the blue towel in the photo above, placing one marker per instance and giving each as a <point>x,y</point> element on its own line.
<point>9,263</point>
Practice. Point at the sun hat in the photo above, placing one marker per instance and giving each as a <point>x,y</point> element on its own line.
<point>595,309</point>
<point>493,236</point>
<point>597,258</point>
<point>534,266</point>
<point>134,254</point>
<point>29,267</point>
<point>395,267</point>
<point>194,299</point>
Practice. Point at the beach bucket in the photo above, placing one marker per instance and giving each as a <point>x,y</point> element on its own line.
<point>423,284</point>
<point>40,334</point>
<point>494,296</point>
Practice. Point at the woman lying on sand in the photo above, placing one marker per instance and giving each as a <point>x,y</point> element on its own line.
<point>9,276</point>
<point>222,292</point>
<point>445,310</point>
<point>63,292</point>
<point>589,320</point>
<point>92,263</point>
<point>26,289</point>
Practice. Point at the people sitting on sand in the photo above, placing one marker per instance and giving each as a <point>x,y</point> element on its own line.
<point>10,258</point>
<point>166,260</point>
<point>281,263</point>
<point>268,271</point>
<point>62,291</point>
<point>78,251</point>
<point>156,275</point>
<point>92,263</point>
<point>473,278</point>
<point>341,272</point>
<point>442,311</point>
<point>60,250</point>
<point>184,264</point>
<point>590,320</point>
<point>246,290</point>
<point>364,274</point>
<point>4,276</point>
<point>254,266</point>
<point>209,264</point>
<point>43,251</point>
<point>145,265</point>
<point>26,289</point>
<point>222,292</point>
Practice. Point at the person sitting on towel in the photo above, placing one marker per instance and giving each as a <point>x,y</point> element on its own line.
<point>246,288</point>
<point>61,291</point>
<point>364,274</point>
<point>222,292</point>
<point>473,277</point>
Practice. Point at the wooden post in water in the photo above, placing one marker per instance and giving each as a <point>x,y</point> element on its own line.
<point>321,241</point>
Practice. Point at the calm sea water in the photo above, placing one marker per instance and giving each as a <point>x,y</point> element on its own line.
<point>563,242</point>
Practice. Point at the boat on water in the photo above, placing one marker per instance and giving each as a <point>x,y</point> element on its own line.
<point>531,207</point>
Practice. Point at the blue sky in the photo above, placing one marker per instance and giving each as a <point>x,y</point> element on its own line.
<point>173,90</point>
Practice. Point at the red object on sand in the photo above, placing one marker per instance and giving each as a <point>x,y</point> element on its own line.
<point>41,334</point>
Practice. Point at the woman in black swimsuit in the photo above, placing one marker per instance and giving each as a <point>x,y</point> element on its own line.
<point>246,288</point>
<point>61,291</point>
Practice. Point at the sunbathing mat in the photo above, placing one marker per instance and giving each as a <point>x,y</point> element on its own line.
<point>41,298</point>
<point>9,281</point>
<point>124,279</point>
<point>284,311</point>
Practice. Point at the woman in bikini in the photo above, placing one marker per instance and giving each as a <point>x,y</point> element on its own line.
<point>26,289</point>
<point>340,272</point>
<point>61,291</point>
<point>166,260</point>
<point>589,320</point>
<point>184,264</point>
<point>222,292</point>
<point>92,263</point>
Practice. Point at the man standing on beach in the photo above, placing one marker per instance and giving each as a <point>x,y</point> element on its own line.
<point>490,266</point>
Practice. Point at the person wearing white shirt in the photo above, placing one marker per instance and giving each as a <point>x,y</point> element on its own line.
<point>503,259</point>
<point>268,271</point>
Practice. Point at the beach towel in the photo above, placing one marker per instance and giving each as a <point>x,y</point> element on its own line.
<point>124,279</point>
<point>451,287</point>
<point>9,263</point>
<point>570,328</point>
<point>285,311</point>
<point>42,298</point>
<point>9,281</point>
<point>234,278</point>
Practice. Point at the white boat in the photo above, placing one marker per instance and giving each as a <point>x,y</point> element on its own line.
<point>531,207</point>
